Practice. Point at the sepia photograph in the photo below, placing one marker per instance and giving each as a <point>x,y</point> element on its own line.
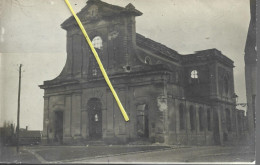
<point>128,81</point>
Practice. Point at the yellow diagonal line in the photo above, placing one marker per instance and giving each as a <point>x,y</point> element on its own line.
<point>98,61</point>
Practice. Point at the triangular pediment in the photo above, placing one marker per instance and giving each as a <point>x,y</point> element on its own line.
<point>96,9</point>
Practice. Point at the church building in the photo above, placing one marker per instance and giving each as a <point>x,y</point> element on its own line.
<point>170,98</point>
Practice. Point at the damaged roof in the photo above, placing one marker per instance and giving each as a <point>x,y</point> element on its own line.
<point>104,10</point>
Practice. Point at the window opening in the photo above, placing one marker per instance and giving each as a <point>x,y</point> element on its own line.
<point>147,60</point>
<point>96,117</point>
<point>194,74</point>
<point>97,42</point>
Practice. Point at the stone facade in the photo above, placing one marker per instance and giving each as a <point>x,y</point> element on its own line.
<point>170,98</point>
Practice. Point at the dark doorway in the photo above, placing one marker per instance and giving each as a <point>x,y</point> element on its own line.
<point>95,118</point>
<point>216,135</point>
<point>143,121</point>
<point>58,126</point>
<point>192,118</point>
<point>182,116</point>
<point>146,122</point>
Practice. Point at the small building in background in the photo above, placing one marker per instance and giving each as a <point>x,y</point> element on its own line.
<point>8,136</point>
<point>29,137</point>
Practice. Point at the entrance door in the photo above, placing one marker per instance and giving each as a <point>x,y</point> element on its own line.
<point>146,122</point>
<point>58,126</point>
<point>142,121</point>
<point>95,118</point>
<point>216,128</point>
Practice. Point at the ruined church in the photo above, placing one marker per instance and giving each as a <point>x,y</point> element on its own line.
<point>170,98</point>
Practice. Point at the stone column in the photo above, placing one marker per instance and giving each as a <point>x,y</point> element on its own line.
<point>76,115</point>
<point>171,120</point>
<point>221,124</point>
<point>110,115</point>
<point>84,122</point>
<point>67,119</point>
<point>161,119</point>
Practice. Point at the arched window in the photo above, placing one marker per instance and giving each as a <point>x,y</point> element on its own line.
<point>192,118</point>
<point>182,117</point>
<point>147,60</point>
<point>194,74</point>
<point>96,117</point>
<point>201,119</point>
<point>228,119</point>
<point>209,119</point>
<point>97,42</point>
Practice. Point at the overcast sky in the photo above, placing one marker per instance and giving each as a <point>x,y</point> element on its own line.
<point>30,34</point>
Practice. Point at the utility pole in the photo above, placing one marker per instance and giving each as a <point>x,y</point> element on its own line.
<point>18,110</point>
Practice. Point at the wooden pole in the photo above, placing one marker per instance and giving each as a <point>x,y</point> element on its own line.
<point>18,110</point>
